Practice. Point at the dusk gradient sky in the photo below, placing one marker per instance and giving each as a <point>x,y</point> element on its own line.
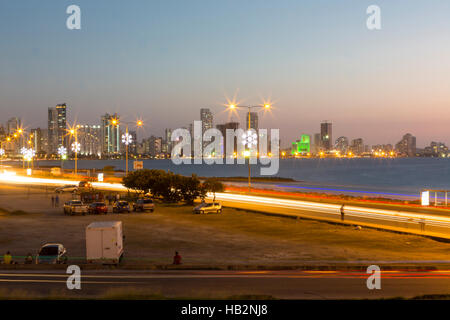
<point>164,60</point>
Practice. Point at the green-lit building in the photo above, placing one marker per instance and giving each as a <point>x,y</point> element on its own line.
<point>302,146</point>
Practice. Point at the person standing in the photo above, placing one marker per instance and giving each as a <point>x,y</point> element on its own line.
<point>57,201</point>
<point>177,258</point>
<point>53,201</point>
<point>7,258</point>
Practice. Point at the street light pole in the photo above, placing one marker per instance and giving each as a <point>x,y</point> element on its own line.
<point>265,106</point>
<point>76,153</point>
<point>126,150</point>
<point>249,170</point>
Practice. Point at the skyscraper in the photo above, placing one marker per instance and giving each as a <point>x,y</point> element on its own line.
<point>206,117</point>
<point>90,137</point>
<point>407,146</point>
<point>341,144</point>
<point>110,134</point>
<point>57,127</point>
<point>52,130</point>
<point>357,146</point>
<point>223,129</point>
<point>12,125</point>
<point>326,136</point>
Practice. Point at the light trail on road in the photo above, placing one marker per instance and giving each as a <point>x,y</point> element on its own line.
<point>410,222</point>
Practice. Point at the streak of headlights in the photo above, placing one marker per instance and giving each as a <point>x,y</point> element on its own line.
<point>360,212</point>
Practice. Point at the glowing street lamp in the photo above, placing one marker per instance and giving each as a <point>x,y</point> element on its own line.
<point>127,138</point>
<point>249,137</point>
<point>76,147</point>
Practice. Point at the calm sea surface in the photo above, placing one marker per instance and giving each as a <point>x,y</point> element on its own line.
<point>399,177</point>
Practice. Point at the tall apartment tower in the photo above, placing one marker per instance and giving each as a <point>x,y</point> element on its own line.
<point>12,125</point>
<point>206,117</point>
<point>110,134</point>
<point>326,136</point>
<point>57,127</point>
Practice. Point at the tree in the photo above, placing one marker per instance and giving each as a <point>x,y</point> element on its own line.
<point>213,185</point>
<point>190,188</point>
<point>168,186</point>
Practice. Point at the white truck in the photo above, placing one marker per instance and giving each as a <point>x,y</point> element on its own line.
<point>104,242</point>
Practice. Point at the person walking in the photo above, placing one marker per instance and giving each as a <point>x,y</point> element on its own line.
<point>57,201</point>
<point>53,201</point>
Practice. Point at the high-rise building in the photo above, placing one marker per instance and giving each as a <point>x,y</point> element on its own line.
<point>167,143</point>
<point>316,143</point>
<point>12,125</point>
<point>326,136</point>
<point>153,146</point>
<point>357,146</point>
<point>223,129</point>
<point>206,117</point>
<point>111,139</point>
<point>57,127</point>
<point>37,140</point>
<point>253,121</point>
<point>407,146</point>
<point>302,146</point>
<point>341,144</point>
<point>90,139</point>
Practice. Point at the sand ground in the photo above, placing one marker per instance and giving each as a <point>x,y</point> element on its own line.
<point>27,220</point>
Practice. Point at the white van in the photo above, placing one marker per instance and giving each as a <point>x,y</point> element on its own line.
<point>104,242</point>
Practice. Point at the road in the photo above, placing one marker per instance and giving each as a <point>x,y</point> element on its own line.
<point>416,223</point>
<point>223,284</point>
<point>402,221</point>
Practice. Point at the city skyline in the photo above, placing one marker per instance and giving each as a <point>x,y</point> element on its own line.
<point>106,138</point>
<point>316,63</point>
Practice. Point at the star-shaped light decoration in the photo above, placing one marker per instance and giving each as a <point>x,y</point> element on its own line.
<point>76,147</point>
<point>127,139</point>
<point>62,151</point>
<point>29,154</point>
<point>249,139</point>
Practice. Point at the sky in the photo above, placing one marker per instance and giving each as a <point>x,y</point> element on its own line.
<point>164,60</point>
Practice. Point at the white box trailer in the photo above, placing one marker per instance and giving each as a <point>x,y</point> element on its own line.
<point>104,242</point>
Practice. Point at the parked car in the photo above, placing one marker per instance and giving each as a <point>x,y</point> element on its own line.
<point>144,205</point>
<point>98,208</point>
<point>75,206</point>
<point>67,188</point>
<point>208,207</point>
<point>85,184</point>
<point>121,206</point>
<point>52,253</point>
